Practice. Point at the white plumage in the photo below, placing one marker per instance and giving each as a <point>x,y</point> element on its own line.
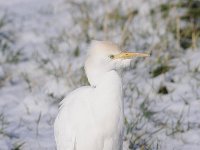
<point>91,117</point>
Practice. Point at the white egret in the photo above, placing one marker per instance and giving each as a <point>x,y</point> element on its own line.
<point>91,117</point>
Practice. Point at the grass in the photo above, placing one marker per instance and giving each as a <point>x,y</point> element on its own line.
<point>161,69</point>
<point>163,90</point>
<point>7,41</point>
<point>18,146</point>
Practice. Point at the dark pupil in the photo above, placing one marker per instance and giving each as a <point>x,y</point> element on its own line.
<point>111,56</point>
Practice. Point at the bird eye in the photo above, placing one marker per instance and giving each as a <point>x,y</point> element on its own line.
<point>111,56</point>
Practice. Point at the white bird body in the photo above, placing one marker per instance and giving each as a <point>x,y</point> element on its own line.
<point>91,117</point>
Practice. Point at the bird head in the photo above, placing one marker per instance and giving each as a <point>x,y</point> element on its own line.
<point>104,56</point>
<point>108,56</point>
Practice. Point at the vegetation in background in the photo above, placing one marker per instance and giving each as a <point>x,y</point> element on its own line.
<point>8,52</point>
<point>185,24</point>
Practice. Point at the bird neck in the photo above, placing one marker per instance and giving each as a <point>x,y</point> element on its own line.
<point>107,102</point>
<point>98,76</point>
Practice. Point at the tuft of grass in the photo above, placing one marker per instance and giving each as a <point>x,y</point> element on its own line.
<point>27,81</point>
<point>165,9</point>
<point>77,52</point>
<point>7,41</point>
<point>14,56</point>
<point>163,90</point>
<point>145,110</point>
<point>161,69</point>
<point>18,146</point>
<point>3,123</point>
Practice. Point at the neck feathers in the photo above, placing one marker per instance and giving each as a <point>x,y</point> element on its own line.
<point>97,76</point>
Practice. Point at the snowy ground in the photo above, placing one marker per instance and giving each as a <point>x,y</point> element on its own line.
<point>41,63</point>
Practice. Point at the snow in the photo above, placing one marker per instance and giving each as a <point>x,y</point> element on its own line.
<point>47,33</point>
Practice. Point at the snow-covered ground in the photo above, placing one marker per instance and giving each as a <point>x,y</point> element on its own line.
<point>43,60</point>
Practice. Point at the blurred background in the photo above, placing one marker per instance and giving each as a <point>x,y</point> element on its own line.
<point>43,45</point>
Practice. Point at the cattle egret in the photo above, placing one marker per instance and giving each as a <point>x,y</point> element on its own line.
<point>91,117</point>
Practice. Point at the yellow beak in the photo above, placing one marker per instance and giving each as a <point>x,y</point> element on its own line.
<point>129,55</point>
